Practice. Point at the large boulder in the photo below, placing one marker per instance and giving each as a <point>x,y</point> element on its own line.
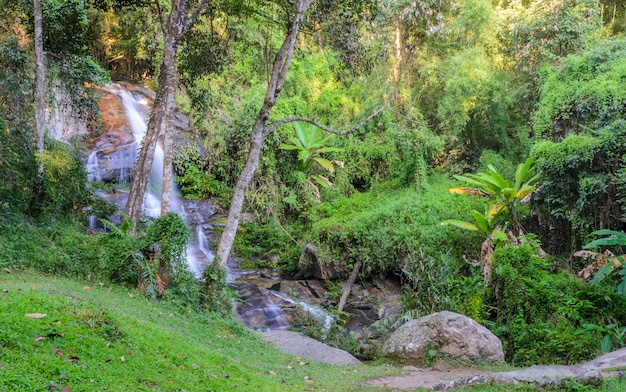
<point>450,334</point>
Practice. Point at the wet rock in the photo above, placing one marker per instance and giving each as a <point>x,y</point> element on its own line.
<point>258,309</point>
<point>450,334</point>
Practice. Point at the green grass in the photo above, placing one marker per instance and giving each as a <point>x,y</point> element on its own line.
<point>107,338</point>
<point>99,337</point>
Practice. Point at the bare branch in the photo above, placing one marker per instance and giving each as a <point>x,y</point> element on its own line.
<point>160,15</point>
<point>194,15</point>
<point>271,128</point>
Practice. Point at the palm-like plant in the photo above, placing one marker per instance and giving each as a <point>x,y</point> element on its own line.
<point>504,197</point>
<point>310,143</point>
<point>487,224</point>
<point>492,185</point>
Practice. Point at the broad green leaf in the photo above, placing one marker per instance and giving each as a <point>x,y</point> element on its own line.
<point>605,241</point>
<point>606,344</point>
<point>498,236</point>
<point>509,194</point>
<point>461,224</point>
<point>323,181</point>
<point>481,222</point>
<point>592,327</point>
<point>603,272</point>
<point>325,163</point>
<point>304,155</point>
<point>288,147</point>
<point>497,178</point>
<point>524,170</point>
<point>616,238</point>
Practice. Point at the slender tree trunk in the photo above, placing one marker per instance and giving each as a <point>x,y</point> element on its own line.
<point>177,23</point>
<point>346,291</point>
<point>166,191</point>
<point>277,77</point>
<point>39,105</point>
<point>155,124</point>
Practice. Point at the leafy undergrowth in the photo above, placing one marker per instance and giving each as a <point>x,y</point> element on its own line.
<point>56,334</point>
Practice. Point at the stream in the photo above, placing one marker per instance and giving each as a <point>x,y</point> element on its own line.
<point>112,158</point>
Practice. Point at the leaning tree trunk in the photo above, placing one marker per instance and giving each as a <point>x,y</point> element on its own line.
<point>146,156</point>
<point>277,77</point>
<point>177,23</point>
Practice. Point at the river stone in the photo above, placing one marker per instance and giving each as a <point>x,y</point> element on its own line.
<point>451,334</point>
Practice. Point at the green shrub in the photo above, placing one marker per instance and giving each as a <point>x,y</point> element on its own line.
<point>536,312</point>
<point>382,227</point>
<point>433,285</point>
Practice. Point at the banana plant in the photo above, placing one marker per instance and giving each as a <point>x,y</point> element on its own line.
<point>310,143</point>
<point>487,224</point>
<point>492,185</point>
<point>606,263</point>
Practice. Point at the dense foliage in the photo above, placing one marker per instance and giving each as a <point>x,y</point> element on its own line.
<point>471,87</point>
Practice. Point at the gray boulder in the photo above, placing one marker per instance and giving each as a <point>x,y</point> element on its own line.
<point>293,343</point>
<point>450,334</point>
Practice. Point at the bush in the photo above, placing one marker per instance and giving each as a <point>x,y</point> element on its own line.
<point>384,226</point>
<point>536,312</point>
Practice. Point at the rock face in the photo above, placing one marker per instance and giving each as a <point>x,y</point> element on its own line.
<point>450,334</point>
<point>125,108</point>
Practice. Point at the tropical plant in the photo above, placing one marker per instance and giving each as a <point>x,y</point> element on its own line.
<point>613,336</point>
<point>487,224</point>
<point>605,263</point>
<point>493,185</point>
<point>504,196</point>
<point>311,143</point>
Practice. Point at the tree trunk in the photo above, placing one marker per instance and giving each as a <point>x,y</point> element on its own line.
<point>346,291</point>
<point>176,25</point>
<point>39,105</point>
<point>277,77</point>
<point>166,191</point>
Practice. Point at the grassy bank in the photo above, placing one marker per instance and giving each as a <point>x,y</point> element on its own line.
<point>103,337</point>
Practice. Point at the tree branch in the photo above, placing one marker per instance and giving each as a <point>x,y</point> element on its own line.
<point>194,15</point>
<point>271,128</point>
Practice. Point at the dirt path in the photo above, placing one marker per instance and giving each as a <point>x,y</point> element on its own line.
<point>413,377</point>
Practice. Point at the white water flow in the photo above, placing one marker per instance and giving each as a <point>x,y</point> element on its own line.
<point>198,252</point>
<point>325,319</point>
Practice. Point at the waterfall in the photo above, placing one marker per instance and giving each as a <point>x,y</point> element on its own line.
<point>113,160</point>
<point>123,159</point>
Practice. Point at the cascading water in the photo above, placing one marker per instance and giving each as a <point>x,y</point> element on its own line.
<point>115,163</point>
<point>123,160</point>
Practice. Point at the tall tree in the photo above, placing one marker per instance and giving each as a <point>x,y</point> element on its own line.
<point>281,64</point>
<point>39,98</point>
<point>182,16</point>
<point>261,129</point>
